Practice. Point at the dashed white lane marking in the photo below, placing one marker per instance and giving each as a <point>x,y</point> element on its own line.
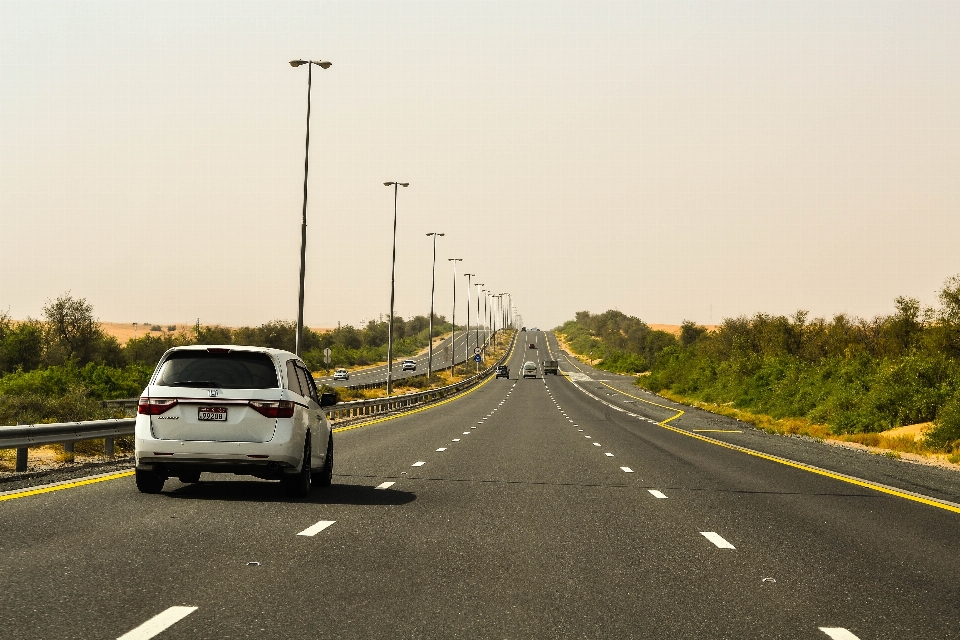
<point>418,464</point>
<point>466,433</point>
<point>717,540</point>
<point>627,469</point>
<point>656,494</point>
<point>569,420</point>
<point>838,633</point>
<point>609,455</point>
<point>158,623</point>
<point>587,436</point>
<point>596,444</point>
<point>456,439</point>
<point>317,528</point>
<point>442,449</point>
<point>580,430</point>
<point>385,485</point>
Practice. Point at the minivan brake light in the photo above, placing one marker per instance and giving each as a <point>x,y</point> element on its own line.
<point>273,408</point>
<point>155,406</point>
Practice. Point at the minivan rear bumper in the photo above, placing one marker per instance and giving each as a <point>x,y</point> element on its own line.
<point>171,457</point>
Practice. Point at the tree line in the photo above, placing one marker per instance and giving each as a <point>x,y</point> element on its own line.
<point>61,367</point>
<point>853,374</point>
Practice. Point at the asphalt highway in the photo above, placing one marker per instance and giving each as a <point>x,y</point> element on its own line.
<point>441,359</point>
<point>530,508</point>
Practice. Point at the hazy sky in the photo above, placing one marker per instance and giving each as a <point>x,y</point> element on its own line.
<point>669,159</point>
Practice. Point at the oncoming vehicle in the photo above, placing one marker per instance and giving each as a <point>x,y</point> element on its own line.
<point>529,370</point>
<point>408,365</point>
<point>341,374</point>
<point>233,409</point>
<point>503,371</point>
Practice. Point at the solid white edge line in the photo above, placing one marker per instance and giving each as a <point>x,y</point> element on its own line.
<point>317,528</point>
<point>838,633</point>
<point>656,494</point>
<point>419,463</point>
<point>385,485</point>
<point>158,623</point>
<point>716,539</point>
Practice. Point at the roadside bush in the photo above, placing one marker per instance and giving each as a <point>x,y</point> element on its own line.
<point>945,434</point>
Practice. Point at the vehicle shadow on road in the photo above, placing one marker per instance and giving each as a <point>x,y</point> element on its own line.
<point>264,491</point>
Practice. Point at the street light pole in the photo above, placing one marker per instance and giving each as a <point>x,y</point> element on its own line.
<point>433,285</point>
<point>466,346</point>
<point>393,276</point>
<point>478,284</point>
<point>453,318</point>
<point>306,167</point>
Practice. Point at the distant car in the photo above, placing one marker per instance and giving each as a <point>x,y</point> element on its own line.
<point>529,370</point>
<point>532,345</point>
<point>233,409</point>
<point>503,371</point>
<point>523,329</point>
<point>408,365</point>
<point>341,374</point>
<point>534,329</point>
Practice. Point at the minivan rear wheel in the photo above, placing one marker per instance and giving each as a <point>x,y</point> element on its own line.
<point>298,485</point>
<point>325,477</point>
<point>149,481</point>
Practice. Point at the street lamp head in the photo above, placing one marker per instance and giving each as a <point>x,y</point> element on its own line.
<point>402,184</point>
<point>323,64</point>
<point>434,233</point>
<point>454,259</point>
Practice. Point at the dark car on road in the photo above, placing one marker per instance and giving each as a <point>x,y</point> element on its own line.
<point>532,346</point>
<point>503,371</point>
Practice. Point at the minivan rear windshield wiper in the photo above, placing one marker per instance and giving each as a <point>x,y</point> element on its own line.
<point>194,383</point>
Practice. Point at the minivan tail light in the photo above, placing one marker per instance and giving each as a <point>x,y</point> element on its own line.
<point>273,408</point>
<point>155,406</point>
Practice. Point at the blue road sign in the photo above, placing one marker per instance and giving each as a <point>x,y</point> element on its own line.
<point>477,358</point>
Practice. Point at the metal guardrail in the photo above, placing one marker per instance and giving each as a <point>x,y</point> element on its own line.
<point>21,437</point>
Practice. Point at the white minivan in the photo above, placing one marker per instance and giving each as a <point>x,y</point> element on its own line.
<point>233,409</point>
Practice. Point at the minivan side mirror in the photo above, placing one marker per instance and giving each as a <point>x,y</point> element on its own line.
<point>328,399</point>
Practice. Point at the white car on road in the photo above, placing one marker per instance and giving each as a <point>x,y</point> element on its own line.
<point>341,374</point>
<point>408,365</point>
<point>233,409</point>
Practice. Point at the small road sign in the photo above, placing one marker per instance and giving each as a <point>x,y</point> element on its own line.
<point>326,355</point>
<point>477,358</point>
<point>477,350</point>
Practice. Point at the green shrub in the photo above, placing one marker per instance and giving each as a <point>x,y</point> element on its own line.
<point>945,434</point>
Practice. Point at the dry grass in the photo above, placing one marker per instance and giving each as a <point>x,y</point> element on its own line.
<point>901,442</point>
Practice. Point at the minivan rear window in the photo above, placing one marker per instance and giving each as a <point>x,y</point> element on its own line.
<point>232,370</point>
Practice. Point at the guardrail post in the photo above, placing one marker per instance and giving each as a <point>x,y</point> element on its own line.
<point>108,447</point>
<point>68,451</point>
<point>21,459</point>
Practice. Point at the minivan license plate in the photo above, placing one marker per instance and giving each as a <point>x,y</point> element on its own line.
<point>213,413</point>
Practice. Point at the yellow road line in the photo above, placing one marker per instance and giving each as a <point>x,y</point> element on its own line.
<point>65,485</point>
<point>424,408</point>
<point>716,430</point>
<point>123,474</point>
<point>941,504</point>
